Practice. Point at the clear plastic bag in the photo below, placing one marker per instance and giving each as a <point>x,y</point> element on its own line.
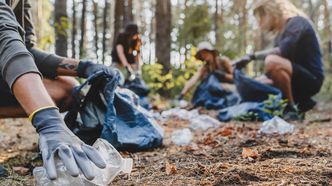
<point>115,165</point>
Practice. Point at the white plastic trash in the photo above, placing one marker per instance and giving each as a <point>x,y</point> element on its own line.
<point>182,137</point>
<point>276,125</point>
<point>115,165</point>
<point>203,122</point>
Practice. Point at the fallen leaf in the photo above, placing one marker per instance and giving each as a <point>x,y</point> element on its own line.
<point>21,170</point>
<point>249,153</point>
<point>226,131</point>
<point>170,168</point>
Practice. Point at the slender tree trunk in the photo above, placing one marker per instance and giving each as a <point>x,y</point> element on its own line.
<point>163,34</point>
<point>83,30</point>
<point>61,22</point>
<point>74,31</point>
<point>128,13</point>
<point>216,22</point>
<point>118,18</point>
<point>105,28</point>
<point>95,22</point>
<point>327,34</point>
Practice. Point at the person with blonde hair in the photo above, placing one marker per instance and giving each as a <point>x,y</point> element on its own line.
<point>294,65</point>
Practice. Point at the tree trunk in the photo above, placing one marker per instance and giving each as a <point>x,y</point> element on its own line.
<point>216,22</point>
<point>128,13</point>
<point>74,31</point>
<point>61,24</point>
<point>327,34</point>
<point>163,34</point>
<point>83,30</point>
<point>105,27</point>
<point>95,22</point>
<point>118,18</point>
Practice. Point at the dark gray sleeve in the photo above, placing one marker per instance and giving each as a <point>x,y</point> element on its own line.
<point>30,36</point>
<point>47,63</point>
<point>15,59</point>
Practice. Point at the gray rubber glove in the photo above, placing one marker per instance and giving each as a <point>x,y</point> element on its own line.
<point>242,62</point>
<point>56,140</point>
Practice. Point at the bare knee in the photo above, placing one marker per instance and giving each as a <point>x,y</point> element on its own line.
<point>60,90</point>
<point>275,63</point>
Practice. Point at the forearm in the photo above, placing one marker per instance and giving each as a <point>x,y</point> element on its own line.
<point>51,65</point>
<point>261,55</point>
<point>68,67</point>
<point>229,77</point>
<point>34,98</point>
<point>188,86</point>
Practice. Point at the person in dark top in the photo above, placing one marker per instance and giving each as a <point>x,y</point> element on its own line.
<point>220,65</point>
<point>23,92</point>
<point>294,65</point>
<point>126,50</point>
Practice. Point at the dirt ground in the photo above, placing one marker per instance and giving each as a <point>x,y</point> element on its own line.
<point>234,154</point>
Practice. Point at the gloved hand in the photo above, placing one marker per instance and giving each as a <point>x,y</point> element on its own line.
<point>131,74</point>
<point>180,97</point>
<point>242,62</point>
<point>88,68</point>
<point>56,140</point>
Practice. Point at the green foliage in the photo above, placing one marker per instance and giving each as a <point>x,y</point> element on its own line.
<point>174,81</point>
<point>62,26</point>
<point>196,25</point>
<point>273,106</point>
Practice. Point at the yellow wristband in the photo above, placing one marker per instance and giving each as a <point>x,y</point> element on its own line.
<point>40,109</point>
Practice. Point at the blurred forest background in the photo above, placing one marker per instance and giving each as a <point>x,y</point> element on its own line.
<point>170,30</point>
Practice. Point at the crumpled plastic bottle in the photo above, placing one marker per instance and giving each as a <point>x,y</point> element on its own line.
<point>115,165</point>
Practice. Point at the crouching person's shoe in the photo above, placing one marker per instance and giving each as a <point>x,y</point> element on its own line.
<point>3,172</point>
<point>292,113</point>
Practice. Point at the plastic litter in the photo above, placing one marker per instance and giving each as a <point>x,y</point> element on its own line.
<point>182,137</point>
<point>276,126</point>
<point>115,165</point>
<point>203,122</point>
<point>180,113</point>
<point>197,121</point>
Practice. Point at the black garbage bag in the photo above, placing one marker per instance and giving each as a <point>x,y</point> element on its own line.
<point>251,90</point>
<point>211,95</point>
<point>105,111</point>
<point>138,86</point>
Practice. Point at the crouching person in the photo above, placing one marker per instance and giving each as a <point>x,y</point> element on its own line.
<point>294,65</point>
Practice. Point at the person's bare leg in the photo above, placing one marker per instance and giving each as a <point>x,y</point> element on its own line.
<point>60,91</point>
<point>280,71</point>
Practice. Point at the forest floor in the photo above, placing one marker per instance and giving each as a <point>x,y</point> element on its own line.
<point>233,154</point>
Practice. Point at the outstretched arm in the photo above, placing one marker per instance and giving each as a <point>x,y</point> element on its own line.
<point>193,80</point>
<point>261,55</point>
